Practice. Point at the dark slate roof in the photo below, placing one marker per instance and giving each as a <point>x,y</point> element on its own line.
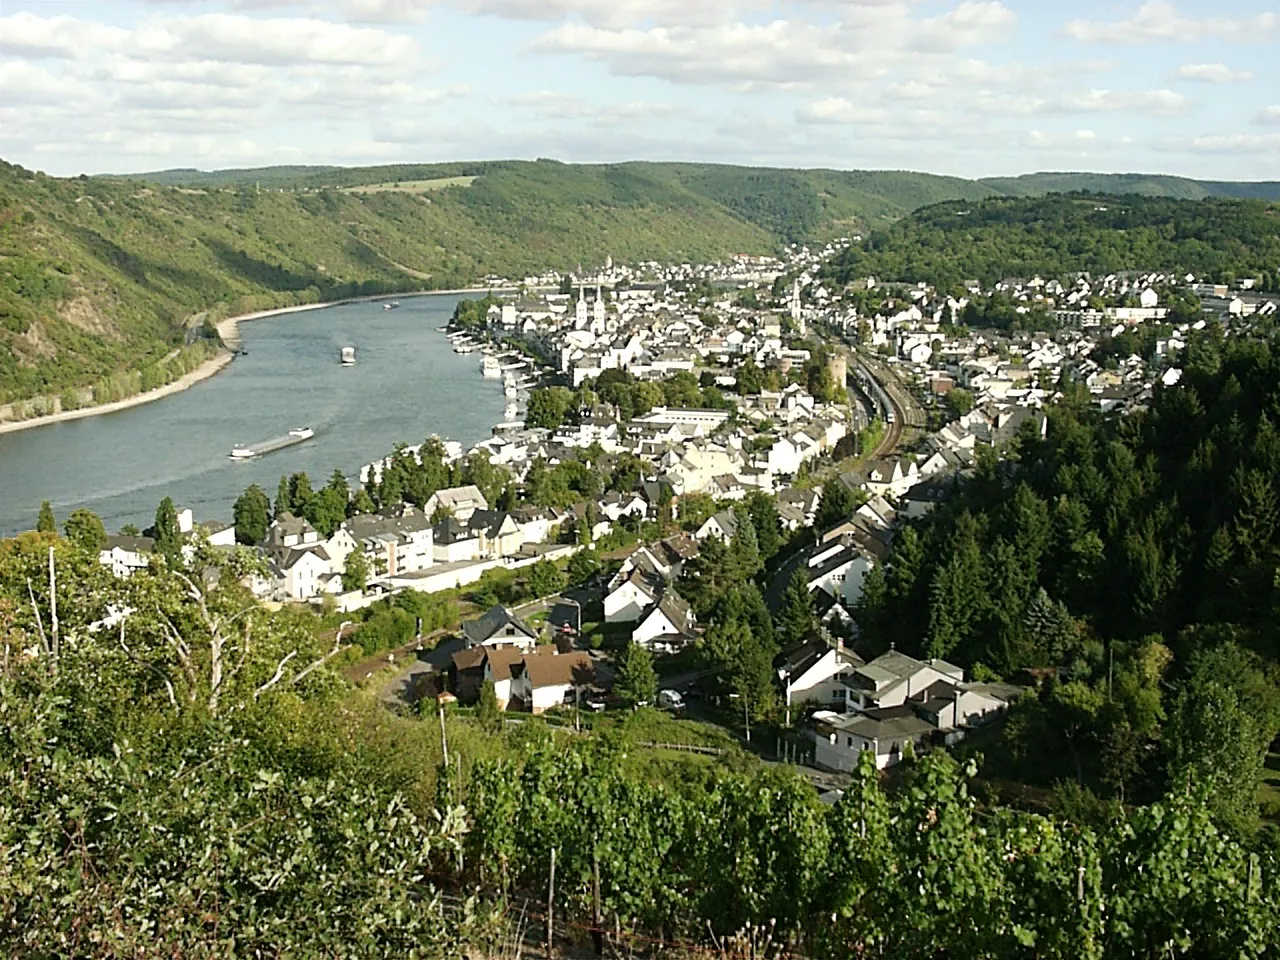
<point>133,544</point>
<point>491,621</point>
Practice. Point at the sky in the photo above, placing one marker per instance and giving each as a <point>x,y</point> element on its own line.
<point>964,87</point>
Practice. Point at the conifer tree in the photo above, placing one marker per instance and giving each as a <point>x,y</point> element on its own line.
<point>46,522</point>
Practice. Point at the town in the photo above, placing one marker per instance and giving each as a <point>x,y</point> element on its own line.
<point>670,421</point>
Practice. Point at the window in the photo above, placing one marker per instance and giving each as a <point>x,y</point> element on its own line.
<point>850,741</point>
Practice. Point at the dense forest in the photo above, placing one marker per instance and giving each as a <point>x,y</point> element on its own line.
<point>1140,557</point>
<point>1064,235</point>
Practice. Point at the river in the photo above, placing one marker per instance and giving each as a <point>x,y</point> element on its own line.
<point>406,385</point>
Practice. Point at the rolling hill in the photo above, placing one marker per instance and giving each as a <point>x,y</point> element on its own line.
<point>106,283</point>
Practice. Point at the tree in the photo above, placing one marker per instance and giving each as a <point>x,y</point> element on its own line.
<point>1225,714</point>
<point>488,711</point>
<point>355,572</point>
<point>130,530</point>
<point>548,407</point>
<point>583,565</point>
<point>166,532</point>
<point>546,579</point>
<point>300,493</point>
<point>252,515</point>
<point>798,619</point>
<point>362,503</point>
<point>636,682</point>
<point>46,522</point>
<point>284,499</point>
<point>837,505</point>
<point>768,525</point>
<point>959,402</point>
<point>84,528</point>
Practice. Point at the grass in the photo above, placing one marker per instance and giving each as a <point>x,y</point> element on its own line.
<point>413,186</point>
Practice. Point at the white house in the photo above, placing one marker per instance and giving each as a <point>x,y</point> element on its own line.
<point>722,526</point>
<point>892,678</point>
<point>302,571</point>
<point>839,569</point>
<point>459,502</point>
<point>813,672</point>
<point>667,626</point>
<point>545,679</point>
<point>124,554</point>
<point>499,628</point>
<point>631,597</point>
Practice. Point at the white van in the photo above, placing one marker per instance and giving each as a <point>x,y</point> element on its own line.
<point>670,700</point>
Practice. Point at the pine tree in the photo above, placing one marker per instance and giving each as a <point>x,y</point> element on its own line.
<point>47,522</point>
<point>488,712</point>
<point>361,503</point>
<point>167,535</point>
<point>799,618</point>
<point>837,505</point>
<point>284,499</point>
<point>252,515</point>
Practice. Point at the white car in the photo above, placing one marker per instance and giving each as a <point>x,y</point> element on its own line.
<point>670,700</point>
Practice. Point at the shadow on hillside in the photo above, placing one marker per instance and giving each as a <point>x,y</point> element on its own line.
<point>131,265</point>
<point>264,274</point>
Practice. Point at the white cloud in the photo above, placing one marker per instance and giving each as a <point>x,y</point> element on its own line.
<point>1269,115</point>
<point>26,35</point>
<point>1212,73</point>
<point>1160,20</point>
<point>865,41</point>
<point>1155,103</point>
<point>1041,140</point>
<point>840,110</point>
<point>1238,143</point>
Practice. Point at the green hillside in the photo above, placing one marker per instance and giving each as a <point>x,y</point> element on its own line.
<point>101,278</point>
<point>105,282</point>
<point>1150,185</point>
<point>1065,234</point>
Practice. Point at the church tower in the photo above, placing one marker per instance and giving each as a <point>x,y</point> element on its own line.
<point>598,308</point>
<point>580,312</point>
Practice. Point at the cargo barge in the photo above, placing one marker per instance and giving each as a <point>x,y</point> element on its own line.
<point>263,447</point>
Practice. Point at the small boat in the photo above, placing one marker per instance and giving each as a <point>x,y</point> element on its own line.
<point>348,356</point>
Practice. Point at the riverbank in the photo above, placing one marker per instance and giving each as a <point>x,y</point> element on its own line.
<point>229,331</point>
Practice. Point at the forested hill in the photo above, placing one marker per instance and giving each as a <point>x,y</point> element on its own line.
<point>1138,555</point>
<point>101,276</point>
<point>1063,234</point>
<point>105,282</point>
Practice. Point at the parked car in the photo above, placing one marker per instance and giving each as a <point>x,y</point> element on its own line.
<point>670,700</point>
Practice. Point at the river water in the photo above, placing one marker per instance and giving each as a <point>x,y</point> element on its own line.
<point>406,385</point>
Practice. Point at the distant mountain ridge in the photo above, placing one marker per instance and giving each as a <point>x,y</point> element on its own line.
<point>876,193</point>
<point>108,284</point>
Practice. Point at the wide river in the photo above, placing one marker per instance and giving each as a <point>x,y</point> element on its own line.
<point>406,385</point>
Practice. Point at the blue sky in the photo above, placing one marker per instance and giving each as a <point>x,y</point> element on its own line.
<point>965,87</point>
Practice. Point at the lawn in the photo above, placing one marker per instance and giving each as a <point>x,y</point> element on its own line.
<point>413,186</point>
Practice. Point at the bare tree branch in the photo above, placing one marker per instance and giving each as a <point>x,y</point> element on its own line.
<point>168,684</point>
<point>53,611</point>
<point>275,678</point>
<point>44,641</point>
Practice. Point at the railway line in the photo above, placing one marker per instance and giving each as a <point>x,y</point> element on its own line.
<point>890,400</point>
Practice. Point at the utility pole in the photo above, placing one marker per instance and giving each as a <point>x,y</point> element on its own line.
<point>551,906</point>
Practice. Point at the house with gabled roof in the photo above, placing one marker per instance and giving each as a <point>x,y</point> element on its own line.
<point>498,627</point>
<point>667,625</point>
